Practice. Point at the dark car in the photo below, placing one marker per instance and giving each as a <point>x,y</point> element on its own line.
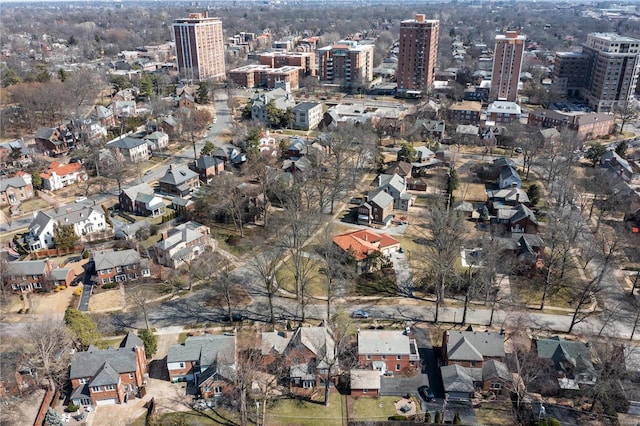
<point>79,417</point>
<point>360,314</point>
<point>425,393</point>
<point>77,280</point>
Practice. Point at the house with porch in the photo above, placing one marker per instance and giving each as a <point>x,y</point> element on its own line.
<point>108,376</point>
<point>395,186</point>
<point>472,348</point>
<point>189,361</point>
<point>182,244</point>
<point>572,361</point>
<point>119,266</point>
<point>179,180</point>
<point>388,351</point>
<point>141,200</point>
<point>131,149</point>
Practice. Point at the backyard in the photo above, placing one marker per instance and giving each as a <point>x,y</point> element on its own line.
<point>374,409</point>
<point>307,413</point>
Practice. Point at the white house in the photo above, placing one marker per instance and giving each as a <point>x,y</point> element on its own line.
<point>307,115</point>
<point>157,140</point>
<point>86,220</point>
<point>59,175</point>
<point>131,149</point>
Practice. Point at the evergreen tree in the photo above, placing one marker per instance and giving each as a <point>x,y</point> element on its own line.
<point>62,75</point>
<point>534,194</point>
<point>208,148</point>
<point>621,149</point>
<point>8,77</point>
<point>438,418</point>
<point>202,95</point>
<point>83,329</point>
<point>64,236</point>
<point>456,419</point>
<point>36,179</point>
<point>427,417</point>
<point>408,153</point>
<point>150,341</point>
<point>146,84</point>
<point>595,152</point>
<point>52,418</point>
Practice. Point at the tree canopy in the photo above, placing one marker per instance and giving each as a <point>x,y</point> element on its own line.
<point>64,236</point>
<point>83,329</point>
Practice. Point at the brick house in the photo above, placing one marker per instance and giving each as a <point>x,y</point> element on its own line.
<point>377,207</point>
<point>207,167</point>
<point>179,180</point>
<point>62,277</point>
<point>502,112</point>
<point>16,190</point>
<point>465,112</point>
<point>523,220</point>
<point>54,141</point>
<point>16,375</point>
<point>471,348</point>
<point>190,360</point>
<point>119,266</point>
<point>548,118</point>
<point>29,275</point>
<point>108,376</point>
<point>140,199</point>
<point>59,175</point>
<point>593,125</point>
<point>363,243</point>
<point>182,244</point>
<point>365,382</point>
<point>388,350</point>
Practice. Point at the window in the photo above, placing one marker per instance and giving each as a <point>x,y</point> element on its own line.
<point>369,357</point>
<point>109,387</point>
<point>496,386</point>
<point>217,390</point>
<point>96,389</point>
<point>182,365</point>
<point>472,363</point>
<point>398,357</point>
<point>82,381</point>
<point>37,285</point>
<point>384,357</point>
<point>365,390</point>
<point>131,375</point>
<point>397,367</point>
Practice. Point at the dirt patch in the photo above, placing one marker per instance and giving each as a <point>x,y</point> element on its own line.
<point>52,303</point>
<point>110,300</point>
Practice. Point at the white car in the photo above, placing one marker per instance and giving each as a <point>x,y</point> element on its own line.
<point>81,199</point>
<point>215,120</point>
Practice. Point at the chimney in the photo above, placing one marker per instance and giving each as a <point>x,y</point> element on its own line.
<point>420,17</point>
<point>206,13</point>
<point>518,197</point>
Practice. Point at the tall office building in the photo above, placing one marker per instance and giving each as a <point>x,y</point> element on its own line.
<point>417,54</point>
<point>507,64</point>
<point>199,47</point>
<point>346,62</point>
<point>613,70</point>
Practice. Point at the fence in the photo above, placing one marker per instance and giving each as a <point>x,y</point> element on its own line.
<point>46,401</point>
<point>44,253</point>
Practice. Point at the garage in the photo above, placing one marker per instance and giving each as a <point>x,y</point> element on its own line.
<point>110,401</point>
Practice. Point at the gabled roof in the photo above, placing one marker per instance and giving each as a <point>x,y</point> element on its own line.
<point>509,194</point>
<point>156,135</point>
<point>177,175</point>
<point>400,167</point>
<point>133,191</point>
<point>502,162</point>
<point>205,349</point>
<point>90,362</point>
<point>61,169</point>
<point>380,198</point>
<point>522,212</point>
<point>365,379</point>
<point>509,172</point>
<point>60,274</point>
<point>106,259</point>
<point>474,343</point>
<point>27,267</point>
<point>364,242</point>
<point>13,182</point>
<point>456,379</point>
<point>395,181</point>
<point>383,342</point>
<point>561,351</point>
<point>131,340</point>
<point>107,375</point>
<point>45,133</point>
<point>126,143</point>
<point>206,161</point>
<point>274,341</point>
<point>494,369</point>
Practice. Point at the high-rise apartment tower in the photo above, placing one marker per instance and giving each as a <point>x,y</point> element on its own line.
<point>507,64</point>
<point>199,47</point>
<point>417,54</point>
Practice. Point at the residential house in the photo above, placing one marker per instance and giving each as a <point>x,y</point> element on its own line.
<point>89,130</point>
<point>16,190</point>
<point>362,244</point>
<point>207,167</point>
<point>429,129</point>
<point>528,249</point>
<point>307,352</point>
<point>157,140</point>
<point>395,186</point>
<point>54,141</point>
<point>307,115</point>
<point>550,136</point>
<point>571,360</point>
<point>29,275</point>
<point>229,154</point>
<point>15,153</point>
<point>417,184</point>
<point>509,178</point>
<point>388,350</point>
<point>59,175</point>
<point>124,108</point>
<point>467,134</point>
<point>510,197</point>
<point>495,376</point>
<point>501,163</point>
<point>190,360</point>
<point>503,112</point>
<point>365,382</point>
<point>401,168</point>
<point>62,277</point>
<point>182,244</point>
<point>426,157</point>
<point>523,221</point>
<point>170,125</point>
<point>617,165</point>
<point>186,101</point>
<point>108,376</point>
<point>297,166</point>
<point>179,180</point>
<point>105,116</point>
<point>465,112</point>
<point>471,348</point>
<point>297,148</point>
<point>182,205</point>
<point>17,375</point>
<point>87,221</point>
<point>266,142</point>
<point>141,200</point>
<point>377,207</point>
<point>119,266</point>
<point>280,98</point>
<point>131,149</point>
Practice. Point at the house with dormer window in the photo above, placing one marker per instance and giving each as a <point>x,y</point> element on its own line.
<point>119,266</point>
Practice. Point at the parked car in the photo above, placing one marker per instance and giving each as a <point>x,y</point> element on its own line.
<point>360,314</point>
<point>81,199</point>
<point>518,150</point>
<point>426,394</point>
<point>77,280</point>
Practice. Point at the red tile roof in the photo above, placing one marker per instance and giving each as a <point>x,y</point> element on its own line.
<point>364,242</point>
<point>61,169</point>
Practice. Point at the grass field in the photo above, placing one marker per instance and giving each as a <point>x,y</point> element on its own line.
<point>305,413</point>
<point>374,409</point>
<point>208,417</point>
<point>498,413</point>
<point>315,281</point>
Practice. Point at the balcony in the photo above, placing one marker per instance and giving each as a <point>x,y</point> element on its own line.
<point>413,347</point>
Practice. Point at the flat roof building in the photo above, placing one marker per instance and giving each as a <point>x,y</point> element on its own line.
<point>417,53</point>
<point>507,65</point>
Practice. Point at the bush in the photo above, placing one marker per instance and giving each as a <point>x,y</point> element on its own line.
<point>77,291</point>
<point>233,240</point>
<point>109,286</point>
<point>398,417</point>
<point>86,254</point>
<point>72,408</point>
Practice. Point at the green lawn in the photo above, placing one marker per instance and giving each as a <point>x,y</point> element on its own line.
<point>495,413</point>
<point>305,413</point>
<point>374,409</point>
<point>315,286</point>
<point>529,291</point>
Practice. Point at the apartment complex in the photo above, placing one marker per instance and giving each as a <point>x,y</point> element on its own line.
<point>346,62</point>
<point>306,61</point>
<point>570,71</point>
<point>507,64</point>
<point>417,53</point>
<point>614,65</point>
<point>199,47</point>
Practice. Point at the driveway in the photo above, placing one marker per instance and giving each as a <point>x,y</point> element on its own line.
<point>87,289</point>
<point>404,275</point>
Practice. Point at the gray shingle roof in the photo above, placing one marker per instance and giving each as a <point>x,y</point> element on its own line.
<point>383,342</point>
<point>13,182</point>
<point>380,198</point>
<point>89,363</point>
<point>274,341</point>
<point>131,340</point>
<point>475,343</point>
<point>106,376</point>
<point>365,379</point>
<point>206,161</point>
<point>178,175</point>
<point>126,143</point>
<point>456,379</point>
<point>133,191</point>
<point>560,351</point>
<point>494,369</point>
<point>27,267</point>
<point>205,349</point>
<point>60,274</point>
<point>106,259</point>
<point>523,211</point>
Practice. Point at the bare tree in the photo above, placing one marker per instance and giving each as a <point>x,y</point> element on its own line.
<point>49,345</point>
<point>194,122</point>
<point>338,267</point>
<point>265,266</point>
<point>224,197</point>
<point>82,87</point>
<point>140,297</point>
